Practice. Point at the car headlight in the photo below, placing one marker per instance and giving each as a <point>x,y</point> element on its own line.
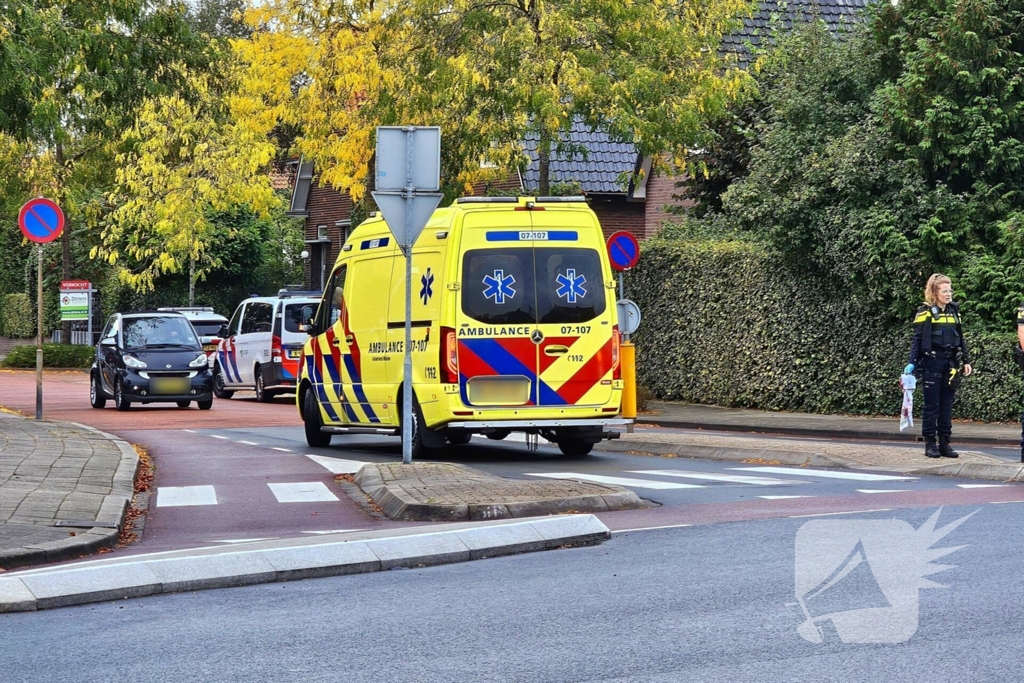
<point>133,362</point>
<point>200,361</point>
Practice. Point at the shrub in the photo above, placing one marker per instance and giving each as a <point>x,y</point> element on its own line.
<point>19,318</point>
<point>54,356</point>
<point>725,324</point>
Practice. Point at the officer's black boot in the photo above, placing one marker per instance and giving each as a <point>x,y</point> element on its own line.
<point>931,450</point>
<point>945,450</point>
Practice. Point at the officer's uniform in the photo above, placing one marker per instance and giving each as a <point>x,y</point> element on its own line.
<point>937,349</point>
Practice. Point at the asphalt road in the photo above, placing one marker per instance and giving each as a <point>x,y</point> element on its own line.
<point>708,603</point>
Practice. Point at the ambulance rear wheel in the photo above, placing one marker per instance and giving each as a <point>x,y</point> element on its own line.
<point>575,448</point>
<point>459,439</point>
<point>218,384</point>
<point>312,421</point>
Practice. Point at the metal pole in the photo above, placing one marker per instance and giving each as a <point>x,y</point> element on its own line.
<point>39,337</point>
<point>407,366</point>
<point>622,295</point>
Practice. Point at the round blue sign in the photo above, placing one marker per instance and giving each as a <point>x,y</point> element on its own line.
<point>623,250</point>
<point>41,220</point>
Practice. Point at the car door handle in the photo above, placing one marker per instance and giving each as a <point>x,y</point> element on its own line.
<point>556,350</point>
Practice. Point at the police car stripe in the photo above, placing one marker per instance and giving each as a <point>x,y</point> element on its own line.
<point>234,365</point>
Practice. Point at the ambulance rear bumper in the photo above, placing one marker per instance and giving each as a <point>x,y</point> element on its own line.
<point>539,424</point>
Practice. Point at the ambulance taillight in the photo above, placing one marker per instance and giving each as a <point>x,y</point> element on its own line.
<point>275,349</point>
<point>449,356</point>
<point>616,367</point>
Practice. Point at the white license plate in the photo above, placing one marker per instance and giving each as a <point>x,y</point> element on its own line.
<point>499,391</point>
<point>169,385</point>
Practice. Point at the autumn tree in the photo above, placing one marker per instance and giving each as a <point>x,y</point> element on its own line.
<point>72,73</point>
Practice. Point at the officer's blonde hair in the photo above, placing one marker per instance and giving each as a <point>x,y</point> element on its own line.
<point>931,290</point>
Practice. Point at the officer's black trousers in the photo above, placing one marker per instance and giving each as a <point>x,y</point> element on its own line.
<point>938,397</point>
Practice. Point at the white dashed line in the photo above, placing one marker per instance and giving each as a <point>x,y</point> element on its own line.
<point>982,486</point>
<point>185,496</point>
<point>336,465</point>
<point>827,474</point>
<point>283,450</point>
<point>652,528</point>
<point>851,512</point>
<point>882,490</point>
<point>783,497</point>
<point>618,481</point>
<point>302,492</point>
<point>247,443</point>
<point>217,436</point>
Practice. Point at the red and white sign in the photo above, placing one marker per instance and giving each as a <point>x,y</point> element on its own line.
<point>74,285</point>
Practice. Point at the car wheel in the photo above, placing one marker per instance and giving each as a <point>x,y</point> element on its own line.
<point>184,404</point>
<point>459,439</point>
<point>575,448</point>
<point>96,397</point>
<point>312,421</point>
<point>499,435</point>
<point>262,395</point>
<point>205,405</point>
<point>218,384</point>
<point>120,402</point>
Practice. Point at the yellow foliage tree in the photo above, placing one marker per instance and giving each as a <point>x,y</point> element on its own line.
<point>188,157</point>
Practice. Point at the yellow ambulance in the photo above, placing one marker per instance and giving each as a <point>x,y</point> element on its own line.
<point>514,329</point>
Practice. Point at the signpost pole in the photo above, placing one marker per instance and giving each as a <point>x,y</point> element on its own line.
<point>88,309</point>
<point>39,336</point>
<point>407,420</point>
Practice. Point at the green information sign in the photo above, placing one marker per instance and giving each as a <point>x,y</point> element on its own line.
<point>74,305</point>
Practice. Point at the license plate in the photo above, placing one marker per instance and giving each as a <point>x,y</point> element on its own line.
<point>169,385</point>
<point>209,348</point>
<point>499,391</point>
<point>294,353</point>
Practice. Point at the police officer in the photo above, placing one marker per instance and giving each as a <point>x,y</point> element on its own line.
<point>1019,357</point>
<point>937,349</point>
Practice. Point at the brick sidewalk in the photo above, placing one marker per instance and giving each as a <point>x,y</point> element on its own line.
<point>59,471</point>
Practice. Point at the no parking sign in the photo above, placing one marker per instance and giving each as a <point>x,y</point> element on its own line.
<point>41,220</point>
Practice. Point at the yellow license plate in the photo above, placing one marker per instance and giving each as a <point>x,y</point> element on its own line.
<point>294,353</point>
<point>209,347</point>
<point>169,385</point>
<point>499,391</point>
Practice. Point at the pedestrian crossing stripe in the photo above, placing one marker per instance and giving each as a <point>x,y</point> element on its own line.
<point>715,476</point>
<point>185,496</point>
<point>617,481</point>
<point>882,490</point>
<point>827,474</point>
<point>302,492</point>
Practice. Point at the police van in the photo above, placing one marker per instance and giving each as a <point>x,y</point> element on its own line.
<point>513,329</point>
<point>262,345</point>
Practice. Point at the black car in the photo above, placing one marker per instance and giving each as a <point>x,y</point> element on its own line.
<point>150,358</point>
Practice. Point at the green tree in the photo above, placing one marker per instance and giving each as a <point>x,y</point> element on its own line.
<point>71,76</point>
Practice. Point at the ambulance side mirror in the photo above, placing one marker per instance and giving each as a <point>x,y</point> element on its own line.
<point>306,317</point>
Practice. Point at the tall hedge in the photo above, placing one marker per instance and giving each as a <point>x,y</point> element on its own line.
<point>19,316</point>
<point>725,323</point>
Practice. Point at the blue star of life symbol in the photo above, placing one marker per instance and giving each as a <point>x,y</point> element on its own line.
<point>571,285</point>
<point>427,290</point>
<point>499,286</point>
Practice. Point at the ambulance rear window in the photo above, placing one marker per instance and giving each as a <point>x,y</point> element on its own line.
<point>570,288</point>
<point>527,285</point>
<point>497,286</point>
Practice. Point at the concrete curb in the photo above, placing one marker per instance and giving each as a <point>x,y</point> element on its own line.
<point>303,558</point>
<point>399,504</point>
<point>112,511</point>
<point>975,470</point>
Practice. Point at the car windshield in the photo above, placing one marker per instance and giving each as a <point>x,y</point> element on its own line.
<point>293,316</point>
<point>208,328</point>
<point>156,332</point>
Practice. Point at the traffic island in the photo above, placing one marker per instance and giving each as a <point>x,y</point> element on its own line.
<point>447,492</point>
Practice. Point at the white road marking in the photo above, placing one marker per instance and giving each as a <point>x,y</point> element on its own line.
<point>217,436</point>
<point>730,478</point>
<point>245,540</point>
<point>302,492</point>
<point>248,443</point>
<point>783,497</point>
<point>851,512</point>
<point>827,474</point>
<point>283,450</point>
<point>332,531</point>
<point>882,490</point>
<point>190,431</point>
<point>184,496</point>
<point>336,465</point>
<point>652,528</point>
<point>982,486</point>
<point>618,481</point>
<point>1004,502</point>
